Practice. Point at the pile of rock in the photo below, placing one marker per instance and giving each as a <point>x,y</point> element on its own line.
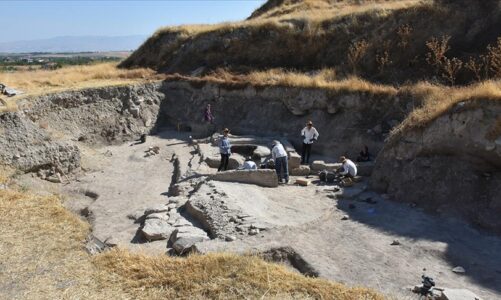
<point>50,174</point>
<point>163,222</point>
<point>9,92</point>
<point>152,151</point>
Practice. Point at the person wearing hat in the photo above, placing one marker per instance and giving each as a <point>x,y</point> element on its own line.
<point>310,135</point>
<point>348,169</point>
<point>224,150</point>
<point>279,156</point>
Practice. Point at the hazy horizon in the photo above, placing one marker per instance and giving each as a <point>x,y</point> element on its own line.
<point>32,21</point>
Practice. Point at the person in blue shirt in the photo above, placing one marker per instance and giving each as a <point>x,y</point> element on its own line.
<point>224,150</point>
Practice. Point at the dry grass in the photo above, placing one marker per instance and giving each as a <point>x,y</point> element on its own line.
<point>317,11</point>
<point>221,276</point>
<point>74,77</point>
<point>42,257</point>
<point>438,100</point>
<point>321,79</point>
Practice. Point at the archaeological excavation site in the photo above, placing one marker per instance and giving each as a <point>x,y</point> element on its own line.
<point>136,163</point>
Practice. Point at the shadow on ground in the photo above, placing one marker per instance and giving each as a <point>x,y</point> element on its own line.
<point>478,252</point>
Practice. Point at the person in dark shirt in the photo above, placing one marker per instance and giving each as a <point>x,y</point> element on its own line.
<point>364,155</point>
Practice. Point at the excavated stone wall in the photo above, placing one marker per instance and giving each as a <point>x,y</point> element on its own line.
<point>453,166</point>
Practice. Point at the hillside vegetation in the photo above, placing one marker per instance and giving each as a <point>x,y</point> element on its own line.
<point>393,42</point>
<point>41,250</point>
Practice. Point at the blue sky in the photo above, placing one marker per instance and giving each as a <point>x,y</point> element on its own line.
<point>28,20</point>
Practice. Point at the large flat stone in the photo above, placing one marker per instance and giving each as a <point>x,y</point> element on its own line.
<point>156,229</point>
<point>235,161</point>
<point>261,152</point>
<point>301,171</point>
<point>262,177</point>
<point>320,165</point>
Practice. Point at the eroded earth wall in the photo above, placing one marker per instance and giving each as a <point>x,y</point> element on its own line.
<point>346,121</point>
<point>452,166</point>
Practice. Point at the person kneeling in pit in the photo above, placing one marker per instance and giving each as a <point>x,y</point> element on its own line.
<point>249,164</point>
<point>348,169</point>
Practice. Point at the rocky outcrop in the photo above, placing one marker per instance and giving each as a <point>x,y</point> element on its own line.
<point>261,177</point>
<point>451,166</point>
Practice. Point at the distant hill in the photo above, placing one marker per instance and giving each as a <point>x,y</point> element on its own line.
<point>74,44</point>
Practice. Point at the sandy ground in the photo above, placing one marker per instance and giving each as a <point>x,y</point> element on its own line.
<point>357,251</point>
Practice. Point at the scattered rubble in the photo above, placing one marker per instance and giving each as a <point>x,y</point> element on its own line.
<point>152,151</point>
<point>9,92</point>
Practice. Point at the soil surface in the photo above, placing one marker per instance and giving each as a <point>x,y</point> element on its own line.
<point>118,183</point>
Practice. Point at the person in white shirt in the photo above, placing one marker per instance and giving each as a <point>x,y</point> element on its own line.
<point>348,169</point>
<point>249,164</point>
<point>280,158</point>
<point>310,135</point>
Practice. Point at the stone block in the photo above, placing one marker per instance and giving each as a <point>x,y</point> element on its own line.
<point>294,160</point>
<point>156,229</point>
<point>300,171</point>
<point>320,165</point>
<point>303,182</point>
<point>262,177</point>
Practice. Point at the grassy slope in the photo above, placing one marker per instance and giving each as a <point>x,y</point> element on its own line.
<point>42,256</point>
<point>316,34</point>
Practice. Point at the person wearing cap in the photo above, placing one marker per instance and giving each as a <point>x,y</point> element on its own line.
<point>249,164</point>
<point>279,156</point>
<point>348,169</point>
<point>310,135</point>
<point>224,150</point>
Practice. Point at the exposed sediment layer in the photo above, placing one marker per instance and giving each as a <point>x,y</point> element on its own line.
<point>452,166</point>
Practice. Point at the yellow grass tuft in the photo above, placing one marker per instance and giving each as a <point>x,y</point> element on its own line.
<point>321,79</point>
<point>222,276</point>
<point>438,100</point>
<point>42,256</point>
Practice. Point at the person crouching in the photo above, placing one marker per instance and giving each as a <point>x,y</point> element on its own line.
<point>280,158</point>
<point>348,169</point>
<point>249,164</point>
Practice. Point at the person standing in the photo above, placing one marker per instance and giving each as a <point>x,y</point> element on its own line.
<point>279,156</point>
<point>208,119</point>
<point>310,135</point>
<point>208,116</point>
<point>224,150</point>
